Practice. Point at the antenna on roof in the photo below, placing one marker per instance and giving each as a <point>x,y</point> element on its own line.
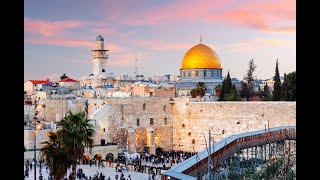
<point>136,67</point>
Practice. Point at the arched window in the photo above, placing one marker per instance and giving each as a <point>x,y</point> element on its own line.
<point>144,106</point>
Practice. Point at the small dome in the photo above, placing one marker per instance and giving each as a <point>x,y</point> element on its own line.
<point>99,38</point>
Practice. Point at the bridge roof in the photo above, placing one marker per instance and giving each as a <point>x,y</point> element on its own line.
<point>184,165</point>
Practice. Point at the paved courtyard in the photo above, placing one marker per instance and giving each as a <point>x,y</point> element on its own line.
<point>91,171</point>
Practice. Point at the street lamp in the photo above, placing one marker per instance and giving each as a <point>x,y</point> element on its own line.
<point>36,127</point>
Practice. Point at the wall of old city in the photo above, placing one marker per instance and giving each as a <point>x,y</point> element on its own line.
<point>186,124</point>
<point>117,115</point>
<point>192,120</point>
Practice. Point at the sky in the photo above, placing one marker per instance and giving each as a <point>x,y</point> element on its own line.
<point>59,35</point>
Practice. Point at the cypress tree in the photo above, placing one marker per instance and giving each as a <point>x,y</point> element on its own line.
<point>226,88</point>
<point>266,90</point>
<point>277,85</point>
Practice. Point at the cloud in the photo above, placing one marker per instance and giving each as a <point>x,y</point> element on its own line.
<point>60,42</point>
<point>160,45</point>
<point>252,45</point>
<point>260,15</point>
<point>50,28</point>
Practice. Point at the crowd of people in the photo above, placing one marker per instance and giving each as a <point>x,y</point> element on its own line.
<point>144,163</point>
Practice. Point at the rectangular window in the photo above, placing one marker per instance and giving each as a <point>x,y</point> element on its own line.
<point>121,107</point>
<point>138,122</point>
<point>121,122</point>
<point>151,121</point>
<point>165,120</point>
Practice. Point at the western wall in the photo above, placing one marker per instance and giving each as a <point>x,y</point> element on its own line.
<point>178,124</point>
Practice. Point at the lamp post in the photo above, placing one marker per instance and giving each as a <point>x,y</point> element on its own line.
<point>36,127</point>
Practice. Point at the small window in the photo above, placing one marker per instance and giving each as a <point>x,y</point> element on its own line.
<point>104,129</point>
<point>144,106</point>
<point>121,122</point>
<point>151,121</point>
<point>165,120</point>
<point>138,122</point>
<point>164,108</point>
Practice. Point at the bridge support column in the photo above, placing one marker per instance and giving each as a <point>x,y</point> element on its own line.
<point>265,152</point>
<point>261,153</point>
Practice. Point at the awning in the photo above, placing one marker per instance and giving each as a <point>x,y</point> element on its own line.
<point>97,156</point>
<point>86,156</point>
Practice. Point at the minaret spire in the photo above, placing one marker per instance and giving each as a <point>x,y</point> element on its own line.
<point>200,39</point>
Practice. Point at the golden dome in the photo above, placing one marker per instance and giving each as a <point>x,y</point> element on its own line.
<point>200,56</point>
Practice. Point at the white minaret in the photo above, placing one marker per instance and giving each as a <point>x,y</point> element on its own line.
<point>99,57</point>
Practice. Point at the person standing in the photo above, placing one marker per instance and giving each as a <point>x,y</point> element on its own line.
<point>31,165</point>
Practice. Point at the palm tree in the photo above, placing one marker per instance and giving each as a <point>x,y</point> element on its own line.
<point>200,89</point>
<point>55,155</point>
<point>193,93</point>
<point>77,133</point>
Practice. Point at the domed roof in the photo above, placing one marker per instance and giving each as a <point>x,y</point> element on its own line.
<point>200,56</point>
<point>99,38</point>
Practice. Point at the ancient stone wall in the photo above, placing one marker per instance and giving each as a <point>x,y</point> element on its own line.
<point>117,115</point>
<point>177,125</point>
<point>192,120</point>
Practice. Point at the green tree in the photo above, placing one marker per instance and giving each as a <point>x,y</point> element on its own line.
<point>244,90</point>
<point>266,90</point>
<point>233,95</point>
<point>77,133</point>
<point>225,88</point>
<point>276,94</point>
<point>249,78</point>
<point>63,76</point>
<point>217,89</point>
<point>55,155</point>
<point>288,87</point>
<point>193,93</point>
<point>200,89</point>
<point>228,90</point>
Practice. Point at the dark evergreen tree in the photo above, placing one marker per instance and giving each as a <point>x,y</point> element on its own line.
<point>288,88</point>
<point>225,88</point>
<point>233,95</point>
<point>276,94</point>
<point>249,78</point>
<point>228,90</point>
<point>63,76</point>
<point>244,90</point>
<point>266,90</point>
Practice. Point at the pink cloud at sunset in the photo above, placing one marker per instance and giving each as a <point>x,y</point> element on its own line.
<point>60,42</point>
<point>252,45</point>
<point>50,28</point>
